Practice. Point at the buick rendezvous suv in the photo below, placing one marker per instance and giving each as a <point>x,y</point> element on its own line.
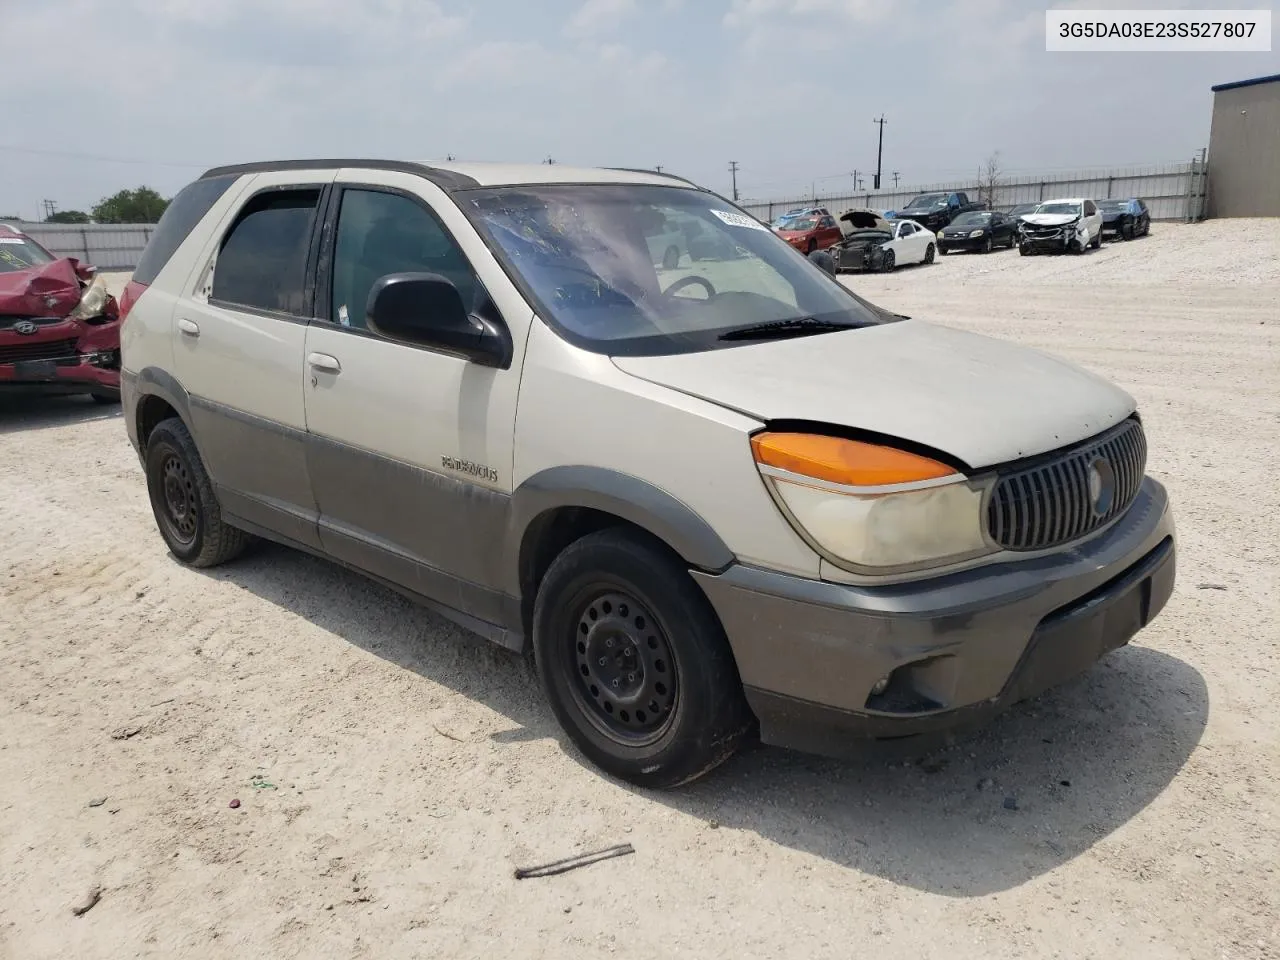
<point>713,497</point>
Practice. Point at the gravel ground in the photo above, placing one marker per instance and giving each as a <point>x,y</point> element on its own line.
<point>403,768</point>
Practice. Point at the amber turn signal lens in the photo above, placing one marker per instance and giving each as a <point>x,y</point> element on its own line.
<point>848,462</point>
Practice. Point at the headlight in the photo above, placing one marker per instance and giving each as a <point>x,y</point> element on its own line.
<point>975,233</point>
<point>871,508</point>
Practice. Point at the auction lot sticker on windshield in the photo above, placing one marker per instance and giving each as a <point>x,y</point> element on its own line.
<point>1182,31</point>
<point>14,240</point>
<point>740,220</point>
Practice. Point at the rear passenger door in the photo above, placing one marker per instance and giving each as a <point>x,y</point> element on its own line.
<point>240,335</point>
<point>410,449</point>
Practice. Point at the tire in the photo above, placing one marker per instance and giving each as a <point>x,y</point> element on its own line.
<point>1013,240</point>
<point>671,257</point>
<point>1024,250</point>
<point>942,251</point>
<point>1096,242</point>
<point>106,398</point>
<point>989,245</point>
<point>928,253</point>
<point>617,587</point>
<point>889,262</point>
<point>182,500</point>
<point>813,245</point>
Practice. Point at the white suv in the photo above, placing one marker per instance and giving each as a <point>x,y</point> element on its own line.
<point>712,495</point>
<point>1057,226</point>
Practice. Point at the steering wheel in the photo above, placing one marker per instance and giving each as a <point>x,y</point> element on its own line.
<point>689,281</point>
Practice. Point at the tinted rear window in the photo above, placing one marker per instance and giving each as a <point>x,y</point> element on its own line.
<point>263,260</point>
<point>179,219</point>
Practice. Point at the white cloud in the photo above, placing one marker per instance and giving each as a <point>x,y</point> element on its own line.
<point>597,18</point>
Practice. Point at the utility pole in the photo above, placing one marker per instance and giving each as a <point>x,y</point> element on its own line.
<point>733,169</point>
<point>895,179</point>
<point>658,168</point>
<point>857,180</point>
<point>548,160</point>
<point>50,208</point>
<point>449,157</point>
<point>879,150</point>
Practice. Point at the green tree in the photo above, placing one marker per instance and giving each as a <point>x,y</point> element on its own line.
<point>142,205</point>
<point>68,216</point>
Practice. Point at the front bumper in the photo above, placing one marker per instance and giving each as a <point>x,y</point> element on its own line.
<point>956,649</point>
<point>94,372</point>
<point>962,243</point>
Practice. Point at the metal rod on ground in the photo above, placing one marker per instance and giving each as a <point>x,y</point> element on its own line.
<point>572,863</point>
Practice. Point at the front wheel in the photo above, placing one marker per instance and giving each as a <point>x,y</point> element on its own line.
<point>890,261</point>
<point>989,245</point>
<point>635,663</point>
<point>1024,250</point>
<point>183,501</point>
<point>1096,242</point>
<point>928,253</point>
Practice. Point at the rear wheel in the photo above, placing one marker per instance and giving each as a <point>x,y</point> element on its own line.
<point>635,662</point>
<point>183,501</point>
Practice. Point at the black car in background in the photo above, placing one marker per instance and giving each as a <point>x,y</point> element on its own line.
<point>933,211</point>
<point>1125,219</point>
<point>982,230</point>
<point>1020,211</point>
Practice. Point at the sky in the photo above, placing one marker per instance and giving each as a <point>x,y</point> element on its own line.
<point>97,96</point>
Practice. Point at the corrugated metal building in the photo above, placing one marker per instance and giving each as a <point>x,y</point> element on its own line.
<point>1244,149</point>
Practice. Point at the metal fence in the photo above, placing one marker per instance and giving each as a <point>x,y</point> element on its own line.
<point>1173,191</point>
<point>108,246</point>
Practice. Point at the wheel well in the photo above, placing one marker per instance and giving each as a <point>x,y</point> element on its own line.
<point>151,411</point>
<point>551,533</point>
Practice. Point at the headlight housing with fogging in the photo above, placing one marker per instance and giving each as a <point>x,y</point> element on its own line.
<point>873,509</point>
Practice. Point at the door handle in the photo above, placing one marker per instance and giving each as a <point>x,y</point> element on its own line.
<point>324,363</point>
<point>188,327</point>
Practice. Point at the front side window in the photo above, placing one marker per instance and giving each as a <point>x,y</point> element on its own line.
<point>585,256</point>
<point>263,261</point>
<point>381,233</point>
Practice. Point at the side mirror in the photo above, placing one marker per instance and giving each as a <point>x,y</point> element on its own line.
<point>426,309</point>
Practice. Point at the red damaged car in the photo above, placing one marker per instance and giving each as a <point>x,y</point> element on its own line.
<point>59,330</point>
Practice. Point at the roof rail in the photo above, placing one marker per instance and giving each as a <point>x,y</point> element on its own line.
<point>656,173</point>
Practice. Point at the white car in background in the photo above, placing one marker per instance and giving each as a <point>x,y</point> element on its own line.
<point>873,243</point>
<point>1057,226</point>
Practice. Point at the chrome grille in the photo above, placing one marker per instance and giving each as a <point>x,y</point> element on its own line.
<point>1049,503</point>
<point>46,350</point>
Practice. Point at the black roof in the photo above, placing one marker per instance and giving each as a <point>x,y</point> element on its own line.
<point>1274,78</point>
<point>445,179</point>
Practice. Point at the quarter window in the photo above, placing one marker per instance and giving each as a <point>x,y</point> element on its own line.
<point>382,233</point>
<point>263,260</point>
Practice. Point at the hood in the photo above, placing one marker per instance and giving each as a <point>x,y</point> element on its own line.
<point>1051,219</point>
<point>964,229</point>
<point>863,237</point>
<point>786,233</point>
<point>981,400</point>
<point>48,290</point>
<point>852,221</point>
<point>1109,216</point>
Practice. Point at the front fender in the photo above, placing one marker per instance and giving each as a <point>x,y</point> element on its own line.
<point>622,495</point>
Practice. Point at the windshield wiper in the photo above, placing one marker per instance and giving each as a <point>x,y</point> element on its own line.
<point>779,329</point>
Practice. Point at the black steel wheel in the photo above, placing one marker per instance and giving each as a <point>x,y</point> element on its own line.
<point>623,666</point>
<point>183,502</point>
<point>635,663</point>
